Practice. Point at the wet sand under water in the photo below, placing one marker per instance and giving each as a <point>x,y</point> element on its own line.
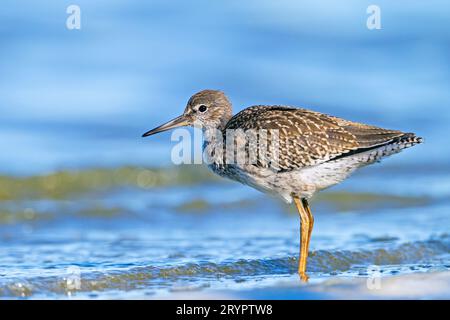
<point>433,285</point>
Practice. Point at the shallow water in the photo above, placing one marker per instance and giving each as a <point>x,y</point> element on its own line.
<point>127,240</point>
<point>88,209</point>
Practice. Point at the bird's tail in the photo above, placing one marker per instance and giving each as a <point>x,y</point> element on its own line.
<point>407,140</point>
<point>396,145</point>
<point>366,156</point>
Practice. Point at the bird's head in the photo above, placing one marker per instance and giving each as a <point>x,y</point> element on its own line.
<point>209,109</point>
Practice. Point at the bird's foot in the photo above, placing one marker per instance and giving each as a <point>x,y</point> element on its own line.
<point>303,276</point>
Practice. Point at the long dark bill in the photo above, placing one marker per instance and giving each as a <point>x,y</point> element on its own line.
<point>177,122</point>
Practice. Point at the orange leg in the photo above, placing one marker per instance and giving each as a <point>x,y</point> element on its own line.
<point>306,226</point>
<point>311,220</point>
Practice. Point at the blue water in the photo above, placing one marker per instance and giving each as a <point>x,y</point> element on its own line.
<point>80,99</point>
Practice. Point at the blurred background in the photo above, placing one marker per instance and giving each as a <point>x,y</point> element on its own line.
<point>81,190</point>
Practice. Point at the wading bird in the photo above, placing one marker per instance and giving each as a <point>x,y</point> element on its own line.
<point>312,151</point>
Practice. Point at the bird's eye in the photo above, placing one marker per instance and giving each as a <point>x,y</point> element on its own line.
<point>202,108</point>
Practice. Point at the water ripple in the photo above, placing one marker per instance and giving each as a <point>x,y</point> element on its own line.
<point>164,277</point>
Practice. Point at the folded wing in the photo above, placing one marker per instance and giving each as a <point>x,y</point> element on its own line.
<point>298,138</point>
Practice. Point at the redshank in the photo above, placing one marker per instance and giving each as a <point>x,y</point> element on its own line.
<point>298,151</point>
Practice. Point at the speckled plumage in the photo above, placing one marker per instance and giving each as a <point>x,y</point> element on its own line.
<point>309,138</point>
<point>315,150</point>
<point>286,151</point>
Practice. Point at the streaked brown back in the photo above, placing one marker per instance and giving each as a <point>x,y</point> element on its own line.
<point>306,137</point>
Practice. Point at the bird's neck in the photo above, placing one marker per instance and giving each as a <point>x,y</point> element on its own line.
<point>211,130</point>
<point>212,135</point>
<point>222,123</point>
<point>213,145</point>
